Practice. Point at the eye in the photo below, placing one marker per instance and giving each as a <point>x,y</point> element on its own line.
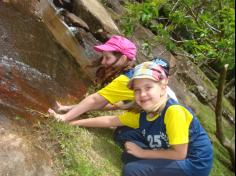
<point>148,88</point>
<point>136,91</point>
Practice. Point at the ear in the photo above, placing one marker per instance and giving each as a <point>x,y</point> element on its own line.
<point>164,84</point>
<point>123,60</point>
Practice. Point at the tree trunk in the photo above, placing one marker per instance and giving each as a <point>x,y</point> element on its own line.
<point>229,145</point>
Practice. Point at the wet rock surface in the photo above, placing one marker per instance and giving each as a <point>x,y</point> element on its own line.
<point>34,72</point>
<point>33,67</point>
<point>75,40</point>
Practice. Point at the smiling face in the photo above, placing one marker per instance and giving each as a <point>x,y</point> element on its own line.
<point>149,93</point>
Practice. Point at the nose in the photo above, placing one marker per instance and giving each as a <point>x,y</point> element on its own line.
<point>103,61</point>
<point>143,94</point>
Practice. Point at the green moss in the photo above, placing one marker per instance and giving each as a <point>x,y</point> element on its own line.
<point>227,105</point>
<point>221,156</point>
<point>221,161</point>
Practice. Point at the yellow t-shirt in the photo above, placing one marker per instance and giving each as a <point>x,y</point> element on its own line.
<point>177,120</point>
<point>117,90</point>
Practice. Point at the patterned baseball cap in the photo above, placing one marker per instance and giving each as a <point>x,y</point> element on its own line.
<point>148,70</point>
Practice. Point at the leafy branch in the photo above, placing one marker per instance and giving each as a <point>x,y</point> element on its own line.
<point>189,26</point>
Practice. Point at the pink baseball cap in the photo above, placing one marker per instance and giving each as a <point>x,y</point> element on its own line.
<point>119,44</point>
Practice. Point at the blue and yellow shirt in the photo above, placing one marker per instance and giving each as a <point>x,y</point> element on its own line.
<point>176,125</point>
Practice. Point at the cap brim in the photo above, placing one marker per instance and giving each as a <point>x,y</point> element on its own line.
<point>131,82</point>
<point>102,48</point>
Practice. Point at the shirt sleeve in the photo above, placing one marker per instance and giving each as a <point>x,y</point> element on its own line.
<point>178,120</point>
<point>130,119</point>
<point>117,90</point>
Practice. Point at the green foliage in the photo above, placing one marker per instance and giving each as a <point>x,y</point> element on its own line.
<point>204,29</point>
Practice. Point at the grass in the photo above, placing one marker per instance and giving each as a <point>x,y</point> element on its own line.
<point>83,152</point>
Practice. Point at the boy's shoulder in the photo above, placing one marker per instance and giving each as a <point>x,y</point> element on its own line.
<point>174,106</point>
<point>129,73</point>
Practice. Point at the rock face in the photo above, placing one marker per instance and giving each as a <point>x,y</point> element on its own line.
<point>34,70</point>
<point>78,43</point>
<point>98,19</point>
<point>98,25</point>
<point>30,6</point>
<point>92,22</point>
<point>19,156</point>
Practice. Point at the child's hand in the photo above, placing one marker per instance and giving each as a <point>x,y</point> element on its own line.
<point>58,117</point>
<point>134,149</point>
<point>61,108</point>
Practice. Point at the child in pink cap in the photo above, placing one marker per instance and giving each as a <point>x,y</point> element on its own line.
<point>119,55</point>
<point>118,60</point>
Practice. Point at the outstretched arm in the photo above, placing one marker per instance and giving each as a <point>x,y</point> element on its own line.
<point>64,108</point>
<point>90,103</point>
<point>99,122</point>
<point>118,106</point>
